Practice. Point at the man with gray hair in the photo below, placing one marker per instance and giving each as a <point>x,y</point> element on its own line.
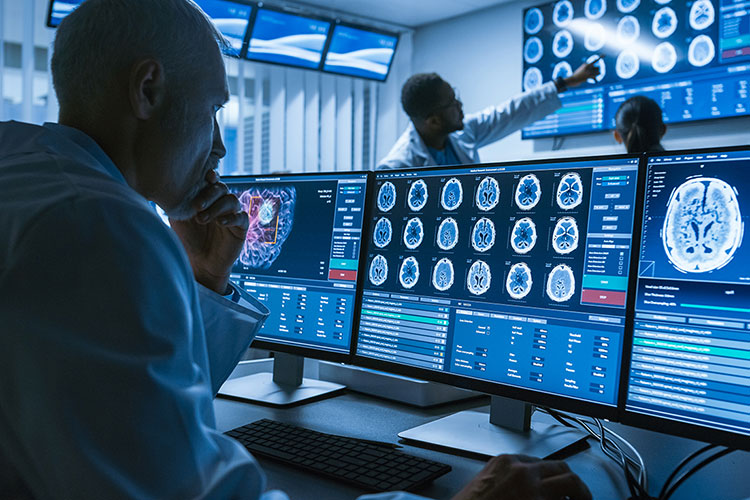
<point>117,331</point>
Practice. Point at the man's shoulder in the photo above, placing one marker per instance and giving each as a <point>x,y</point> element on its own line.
<point>406,152</point>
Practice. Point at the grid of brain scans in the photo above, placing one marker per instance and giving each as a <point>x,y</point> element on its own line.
<point>480,270</point>
<point>673,51</point>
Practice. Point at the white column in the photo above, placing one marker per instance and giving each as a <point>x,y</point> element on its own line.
<point>2,59</point>
<point>27,62</point>
<point>295,124</point>
<point>241,111</point>
<point>312,121</point>
<point>343,123</point>
<point>327,122</point>
<point>359,124</point>
<point>374,88</point>
<point>258,97</point>
<point>278,119</point>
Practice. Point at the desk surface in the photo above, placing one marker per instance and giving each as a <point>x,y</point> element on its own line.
<point>361,416</point>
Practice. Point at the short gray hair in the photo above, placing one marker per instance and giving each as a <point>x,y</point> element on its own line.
<point>97,43</point>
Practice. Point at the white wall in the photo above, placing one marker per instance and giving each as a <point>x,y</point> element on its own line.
<point>480,54</point>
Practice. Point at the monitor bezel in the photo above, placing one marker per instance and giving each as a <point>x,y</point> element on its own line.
<point>250,20</point>
<point>666,424</point>
<point>49,14</point>
<point>360,27</point>
<point>343,356</point>
<point>537,398</point>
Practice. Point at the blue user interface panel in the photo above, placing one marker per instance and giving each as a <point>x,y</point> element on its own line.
<point>691,56</point>
<point>512,274</point>
<point>279,37</point>
<point>358,52</point>
<point>231,19</point>
<point>59,9</point>
<point>691,343</point>
<point>301,254</point>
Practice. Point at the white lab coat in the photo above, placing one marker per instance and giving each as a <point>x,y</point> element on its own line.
<point>480,129</point>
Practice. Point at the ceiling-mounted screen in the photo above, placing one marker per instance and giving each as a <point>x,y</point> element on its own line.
<point>283,38</point>
<point>690,56</point>
<point>360,52</point>
<point>59,9</point>
<point>231,19</point>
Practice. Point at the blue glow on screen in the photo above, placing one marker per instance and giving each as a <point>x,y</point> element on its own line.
<point>230,18</point>
<point>288,39</point>
<point>360,53</point>
<point>62,9</point>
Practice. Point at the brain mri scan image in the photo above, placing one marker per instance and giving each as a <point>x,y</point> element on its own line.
<point>417,197</point>
<point>627,65</point>
<point>563,13</point>
<point>570,191</point>
<point>533,50</point>
<point>562,70</point>
<point>664,57</point>
<point>528,192</point>
<point>627,6</point>
<point>479,278</point>
<point>488,194</point>
<point>703,226</point>
<point>628,30</point>
<point>562,44</point>
<point>483,235</point>
<point>599,64</point>
<point>533,21</point>
<point>452,195</point>
<point>271,214</point>
<point>702,14</point>
<point>383,233</point>
<point>386,197</point>
<point>595,37</point>
<point>561,283</point>
<point>701,51</point>
<point>565,235</point>
<point>519,281</point>
<point>443,275</point>
<point>413,233</point>
<point>532,79</point>
<point>664,23</point>
<point>378,270</point>
<point>408,275</point>
<point>447,235</point>
<point>662,2</point>
<point>523,236</point>
<point>594,9</point>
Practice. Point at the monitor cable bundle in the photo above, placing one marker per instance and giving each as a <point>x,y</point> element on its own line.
<point>668,490</point>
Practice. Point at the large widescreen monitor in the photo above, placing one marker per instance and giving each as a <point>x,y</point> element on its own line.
<point>231,18</point>
<point>511,279</point>
<point>284,38</point>
<point>690,56</point>
<point>362,52</point>
<point>58,9</point>
<point>690,354</point>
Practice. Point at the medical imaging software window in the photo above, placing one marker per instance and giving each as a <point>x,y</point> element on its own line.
<point>512,274</point>
<point>301,254</point>
<point>691,346</point>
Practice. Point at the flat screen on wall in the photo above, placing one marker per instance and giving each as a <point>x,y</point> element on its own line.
<point>360,52</point>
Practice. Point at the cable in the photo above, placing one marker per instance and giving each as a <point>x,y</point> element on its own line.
<point>682,464</point>
<point>695,469</point>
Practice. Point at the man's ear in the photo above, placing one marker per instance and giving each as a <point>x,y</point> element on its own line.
<point>434,121</point>
<point>618,137</point>
<point>147,88</point>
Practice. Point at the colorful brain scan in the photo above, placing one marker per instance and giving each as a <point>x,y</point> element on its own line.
<point>532,79</point>
<point>528,192</point>
<point>628,30</point>
<point>627,6</point>
<point>561,283</point>
<point>565,235</point>
<point>703,227</point>
<point>452,195</point>
<point>595,37</point>
<point>599,64</point>
<point>628,64</point>
<point>533,50</point>
<point>447,235</point>
<point>383,233</point>
<point>483,235</point>
<point>563,13</point>
<point>479,278</point>
<point>570,191</point>
<point>408,275</point>
<point>386,197</point>
<point>271,214</point>
<point>488,194</point>
<point>378,270</point>
<point>417,197</point>
<point>523,236</point>
<point>701,51</point>
<point>533,21</point>
<point>518,284</point>
<point>664,23</point>
<point>413,233</point>
<point>594,9</point>
<point>443,275</point>
<point>562,44</point>
<point>702,14</point>
<point>664,57</point>
<point>562,70</point>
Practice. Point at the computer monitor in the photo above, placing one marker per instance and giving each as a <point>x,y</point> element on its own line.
<point>58,9</point>
<point>231,18</point>
<point>301,259</point>
<point>510,279</point>
<point>690,352</point>
<point>284,38</point>
<point>359,51</point>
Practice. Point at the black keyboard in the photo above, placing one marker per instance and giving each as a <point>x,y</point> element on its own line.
<point>371,466</point>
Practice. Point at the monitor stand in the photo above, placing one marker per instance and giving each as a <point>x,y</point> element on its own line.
<point>506,429</point>
<point>285,387</point>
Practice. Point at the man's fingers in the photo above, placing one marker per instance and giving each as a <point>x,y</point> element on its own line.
<point>565,485</point>
<point>225,206</point>
<point>209,195</point>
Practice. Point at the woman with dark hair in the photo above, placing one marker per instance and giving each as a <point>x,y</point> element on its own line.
<point>639,125</point>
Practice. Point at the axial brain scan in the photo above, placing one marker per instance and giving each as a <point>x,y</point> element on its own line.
<point>528,192</point>
<point>533,21</point>
<point>488,194</point>
<point>702,228</point>
<point>417,197</point>
<point>532,79</point>
<point>562,70</point>
<point>452,195</point>
<point>383,233</point>
<point>271,213</point>
<point>409,273</point>
<point>664,57</point>
<point>447,235</point>
<point>563,13</point>
<point>664,23</point>
<point>565,235</point>
<point>523,236</point>
<point>561,283</point>
<point>443,275</point>
<point>702,14</point>
<point>562,44</point>
<point>627,64</point>
<point>378,270</point>
<point>386,197</point>
<point>533,50</point>
<point>413,233</point>
<point>594,9</point>
<point>626,6</point>
<point>518,284</point>
<point>628,30</point>
<point>483,235</point>
<point>570,191</point>
<point>701,51</point>
<point>595,37</point>
<point>479,278</point>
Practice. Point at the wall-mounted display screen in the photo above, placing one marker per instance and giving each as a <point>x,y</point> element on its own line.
<point>59,9</point>
<point>279,37</point>
<point>690,56</point>
<point>231,19</point>
<point>358,52</point>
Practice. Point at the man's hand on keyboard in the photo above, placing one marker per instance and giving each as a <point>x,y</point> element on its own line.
<point>518,477</point>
